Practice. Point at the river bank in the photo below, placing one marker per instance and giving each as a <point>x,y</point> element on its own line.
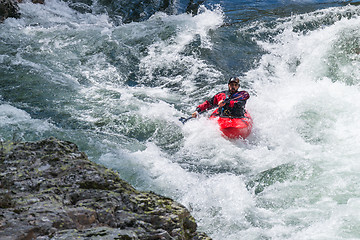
<point>50,190</point>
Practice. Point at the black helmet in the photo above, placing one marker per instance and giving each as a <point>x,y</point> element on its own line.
<point>234,79</point>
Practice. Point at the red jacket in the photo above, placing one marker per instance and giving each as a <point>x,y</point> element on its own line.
<point>235,103</point>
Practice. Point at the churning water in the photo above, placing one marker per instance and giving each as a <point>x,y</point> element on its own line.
<point>117,90</point>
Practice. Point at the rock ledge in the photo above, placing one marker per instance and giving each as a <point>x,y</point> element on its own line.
<point>50,190</point>
<point>8,8</point>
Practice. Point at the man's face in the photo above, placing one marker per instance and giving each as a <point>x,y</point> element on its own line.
<point>233,87</point>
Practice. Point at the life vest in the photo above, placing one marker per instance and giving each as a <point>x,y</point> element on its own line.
<point>235,103</point>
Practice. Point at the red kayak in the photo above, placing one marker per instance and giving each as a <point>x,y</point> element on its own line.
<point>234,127</point>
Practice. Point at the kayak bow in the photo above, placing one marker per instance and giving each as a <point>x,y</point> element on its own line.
<point>234,127</point>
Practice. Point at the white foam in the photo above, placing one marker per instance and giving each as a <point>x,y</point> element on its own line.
<point>10,114</point>
<point>169,53</point>
<point>16,121</point>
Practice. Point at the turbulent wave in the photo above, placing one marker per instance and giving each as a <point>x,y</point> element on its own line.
<point>117,90</point>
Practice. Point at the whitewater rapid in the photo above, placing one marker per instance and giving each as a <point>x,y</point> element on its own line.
<point>118,90</point>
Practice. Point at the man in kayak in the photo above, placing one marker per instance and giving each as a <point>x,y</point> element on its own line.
<point>230,102</point>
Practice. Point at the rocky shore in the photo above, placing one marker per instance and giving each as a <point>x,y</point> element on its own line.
<point>51,190</point>
<point>127,10</point>
<point>8,8</point>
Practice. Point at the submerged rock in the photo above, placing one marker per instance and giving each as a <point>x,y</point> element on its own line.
<point>50,190</point>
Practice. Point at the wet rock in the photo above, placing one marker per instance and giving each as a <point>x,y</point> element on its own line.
<point>137,10</point>
<point>50,190</point>
<point>121,11</point>
<point>81,7</point>
<point>38,1</point>
<point>8,9</point>
<point>193,7</point>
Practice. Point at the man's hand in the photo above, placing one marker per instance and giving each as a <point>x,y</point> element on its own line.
<point>195,114</point>
<point>221,103</point>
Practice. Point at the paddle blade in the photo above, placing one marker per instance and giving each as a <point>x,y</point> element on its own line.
<point>242,95</point>
<point>184,120</point>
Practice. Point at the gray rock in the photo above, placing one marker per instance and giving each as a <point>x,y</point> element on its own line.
<point>136,10</point>
<point>50,190</point>
<point>8,8</point>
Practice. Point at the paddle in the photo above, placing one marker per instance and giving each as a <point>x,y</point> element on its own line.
<point>242,95</point>
<point>184,120</point>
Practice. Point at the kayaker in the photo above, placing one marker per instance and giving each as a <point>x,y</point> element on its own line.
<point>230,102</point>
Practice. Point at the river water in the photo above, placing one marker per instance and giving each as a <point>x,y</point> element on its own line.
<point>118,90</point>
